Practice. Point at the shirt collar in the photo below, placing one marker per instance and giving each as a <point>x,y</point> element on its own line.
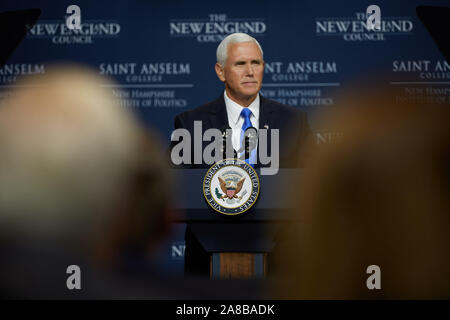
<point>234,109</point>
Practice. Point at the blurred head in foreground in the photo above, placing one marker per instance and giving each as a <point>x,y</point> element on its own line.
<point>77,173</point>
<point>380,196</point>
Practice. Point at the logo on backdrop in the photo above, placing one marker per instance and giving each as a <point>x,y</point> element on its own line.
<point>300,83</point>
<point>360,27</point>
<point>421,81</point>
<point>328,137</point>
<point>152,72</point>
<point>58,32</point>
<point>154,84</point>
<point>231,187</point>
<point>10,72</point>
<point>215,27</point>
<point>422,69</point>
<point>299,71</point>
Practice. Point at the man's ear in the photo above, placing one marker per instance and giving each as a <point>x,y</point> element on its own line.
<point>220,72</point>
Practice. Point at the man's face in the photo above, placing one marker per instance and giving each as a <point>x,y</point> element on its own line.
<point>243,72</point>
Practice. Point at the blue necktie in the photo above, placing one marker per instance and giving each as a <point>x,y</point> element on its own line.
<point>246,113</point>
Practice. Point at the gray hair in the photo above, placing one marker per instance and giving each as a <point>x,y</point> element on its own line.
<point>222,49</point>
<point>61,166</point>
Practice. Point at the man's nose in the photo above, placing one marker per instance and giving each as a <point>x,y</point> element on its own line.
<point>249,70</point>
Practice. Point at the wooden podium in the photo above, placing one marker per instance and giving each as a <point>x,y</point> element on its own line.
<point>238,246</point>
<point>238,265</point>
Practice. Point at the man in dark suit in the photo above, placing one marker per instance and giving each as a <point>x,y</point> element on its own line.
<point>240,66</point>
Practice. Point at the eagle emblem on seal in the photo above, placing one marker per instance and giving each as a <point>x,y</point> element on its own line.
<point>231,187</point>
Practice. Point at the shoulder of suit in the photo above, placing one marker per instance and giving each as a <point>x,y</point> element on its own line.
<point>204,109</point>
<point>207,108</point>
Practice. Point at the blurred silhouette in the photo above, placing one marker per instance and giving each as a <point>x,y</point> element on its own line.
<point>437,22</point>
<point>14,26</point>
<point>379,196</point>
<point>81,183</point>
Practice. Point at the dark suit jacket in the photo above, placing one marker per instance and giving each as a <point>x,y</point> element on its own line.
<point>294,136</point>
<point>292,123</point>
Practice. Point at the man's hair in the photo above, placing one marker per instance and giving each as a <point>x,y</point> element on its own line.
<point>222,49</point>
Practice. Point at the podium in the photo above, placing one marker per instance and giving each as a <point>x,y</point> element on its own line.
<point>238,246</point>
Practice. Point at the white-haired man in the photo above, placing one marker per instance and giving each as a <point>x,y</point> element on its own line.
<point>240,66</point>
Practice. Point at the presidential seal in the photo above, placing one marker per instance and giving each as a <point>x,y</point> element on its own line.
<point>231,186</point>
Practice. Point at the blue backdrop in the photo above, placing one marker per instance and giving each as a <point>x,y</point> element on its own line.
<point>162,55</point>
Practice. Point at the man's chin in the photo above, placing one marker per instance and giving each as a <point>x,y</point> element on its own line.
<point>243,96</point>
<point>249,87</point>
<point>249,94</point>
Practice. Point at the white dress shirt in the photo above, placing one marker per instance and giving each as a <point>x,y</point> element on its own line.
<point>235,120</point>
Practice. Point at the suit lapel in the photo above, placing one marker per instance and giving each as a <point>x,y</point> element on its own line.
<point>219,116</point>
<point>265,110</point>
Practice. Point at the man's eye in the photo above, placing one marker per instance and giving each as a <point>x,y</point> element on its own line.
<point>256,62</point>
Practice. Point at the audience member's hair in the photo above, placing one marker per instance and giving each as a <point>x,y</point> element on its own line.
<point>379,196</point>
<point>76,169</point>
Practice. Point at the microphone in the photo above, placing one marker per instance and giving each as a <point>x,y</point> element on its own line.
<point>227,144</point>
<point>250,142</point>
